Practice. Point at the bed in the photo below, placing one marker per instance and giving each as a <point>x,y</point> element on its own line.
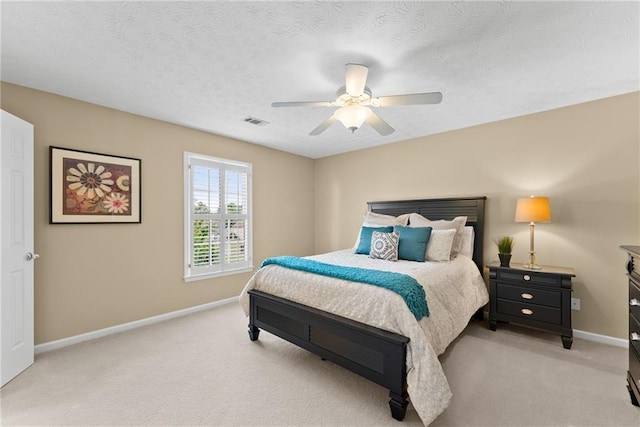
<point>404,363</point>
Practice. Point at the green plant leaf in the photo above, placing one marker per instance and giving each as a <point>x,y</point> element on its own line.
<point>505,245</point>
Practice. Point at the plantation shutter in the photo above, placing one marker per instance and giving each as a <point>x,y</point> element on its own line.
<point>219,211</point>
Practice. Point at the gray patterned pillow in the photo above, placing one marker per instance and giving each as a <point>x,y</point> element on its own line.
<point>384,246</point>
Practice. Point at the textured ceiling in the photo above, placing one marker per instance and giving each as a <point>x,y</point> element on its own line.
<point>208,65</point>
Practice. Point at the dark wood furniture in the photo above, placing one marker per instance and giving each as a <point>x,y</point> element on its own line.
<point>373,353</point>
<point>633,272</point>
<point>536,298</point>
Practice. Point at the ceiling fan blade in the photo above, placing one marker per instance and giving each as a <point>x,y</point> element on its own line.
<point>379,125</point>
<point>411,99</point>
<point>356,79</point>
<point>323,126</point>
<point>302,104</point>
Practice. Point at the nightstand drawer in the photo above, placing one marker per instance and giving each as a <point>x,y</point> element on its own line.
<point>634,298</point>
<point>532,277</point>
<point>529,295</point>
<point>530,311</point>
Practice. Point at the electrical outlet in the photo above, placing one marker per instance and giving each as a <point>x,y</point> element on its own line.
<point>575,303</point>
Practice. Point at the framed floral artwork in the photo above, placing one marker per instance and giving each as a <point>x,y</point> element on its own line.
<point>93,188</point>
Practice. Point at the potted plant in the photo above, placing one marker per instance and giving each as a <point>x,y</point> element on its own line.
<point>505,246</point>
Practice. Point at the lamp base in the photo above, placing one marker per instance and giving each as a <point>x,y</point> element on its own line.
<point>532,266</point>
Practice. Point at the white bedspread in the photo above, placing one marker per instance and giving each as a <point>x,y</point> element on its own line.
<point>455,290</point>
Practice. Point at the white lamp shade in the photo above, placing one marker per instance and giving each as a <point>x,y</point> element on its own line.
<point>352,116</point>
<point>533,209</point>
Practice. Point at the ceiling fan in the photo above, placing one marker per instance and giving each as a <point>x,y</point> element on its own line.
<point>354,100</point>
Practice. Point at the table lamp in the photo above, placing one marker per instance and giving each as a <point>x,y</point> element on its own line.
<point>533,209</point>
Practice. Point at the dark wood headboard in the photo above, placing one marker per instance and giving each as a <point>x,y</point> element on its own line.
<point>471,207</point>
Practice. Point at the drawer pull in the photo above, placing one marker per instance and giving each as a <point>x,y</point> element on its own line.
<point>634,336</point>
<point>529,312</point>
<point>526,296</point>
<point>526,277</point>
<point>634,302</point>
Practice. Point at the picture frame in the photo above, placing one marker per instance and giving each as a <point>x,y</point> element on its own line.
<point>93,188</point>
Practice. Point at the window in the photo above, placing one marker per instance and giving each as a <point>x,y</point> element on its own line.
<point>217,217</point>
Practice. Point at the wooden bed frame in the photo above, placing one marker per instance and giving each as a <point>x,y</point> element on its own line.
<point>373,353</point>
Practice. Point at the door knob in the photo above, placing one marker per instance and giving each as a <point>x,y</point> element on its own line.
<point>30,256</point>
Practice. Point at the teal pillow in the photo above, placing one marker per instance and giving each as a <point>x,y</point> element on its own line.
<point>413,242</point>
<point>364,246</point>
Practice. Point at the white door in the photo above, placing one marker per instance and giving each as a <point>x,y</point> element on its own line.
<point>16,256</point>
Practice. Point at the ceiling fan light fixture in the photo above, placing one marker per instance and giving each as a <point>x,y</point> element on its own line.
<point>353,100</point>
<point>356,79</point>
<point>352,116</point>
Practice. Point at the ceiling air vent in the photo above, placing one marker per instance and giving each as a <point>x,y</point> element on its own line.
<point>255,121</point>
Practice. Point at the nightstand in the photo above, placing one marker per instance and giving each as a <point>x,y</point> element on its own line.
<point>536,298</point>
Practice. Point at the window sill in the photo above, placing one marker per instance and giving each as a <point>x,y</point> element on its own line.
<point>205,276</point>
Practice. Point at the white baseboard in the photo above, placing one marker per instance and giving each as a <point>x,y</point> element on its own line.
<point>604,339</point>
<point>52,345</point>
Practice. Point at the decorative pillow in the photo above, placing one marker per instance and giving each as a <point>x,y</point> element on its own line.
<point>468,237</point>
<point>412,245</point>
<point>458,223</point>
<point>439,247</point>
<point>373,219</point>
<point>364,246</point>
<point>384,246</point>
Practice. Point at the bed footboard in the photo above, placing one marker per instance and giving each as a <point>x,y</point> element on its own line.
<point>375,354</point>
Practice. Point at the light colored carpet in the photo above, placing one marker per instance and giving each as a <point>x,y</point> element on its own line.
<point>202,369</point>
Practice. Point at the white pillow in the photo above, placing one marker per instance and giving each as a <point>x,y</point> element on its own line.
<point>468,237</point>
<point>372,219</point>
<point>439,247</point>
<point>457,224</point>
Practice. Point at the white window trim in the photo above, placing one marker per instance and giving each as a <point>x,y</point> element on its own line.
<point>230,165</point>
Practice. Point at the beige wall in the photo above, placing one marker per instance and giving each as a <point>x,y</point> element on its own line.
<point>95,276</point>
<point>586,158</point>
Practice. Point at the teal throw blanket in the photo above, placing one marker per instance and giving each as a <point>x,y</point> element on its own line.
<point>405,286</point>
